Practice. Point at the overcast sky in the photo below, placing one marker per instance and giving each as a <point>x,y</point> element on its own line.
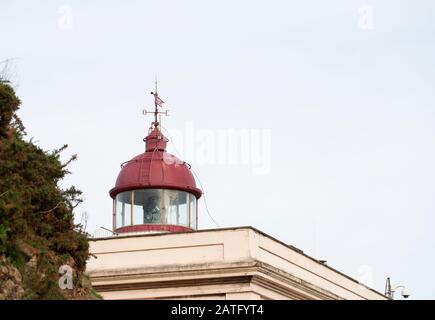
<point>337,99</point>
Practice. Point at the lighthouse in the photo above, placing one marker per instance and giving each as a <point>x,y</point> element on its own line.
<point>153,253</point>
<point>155,191</point>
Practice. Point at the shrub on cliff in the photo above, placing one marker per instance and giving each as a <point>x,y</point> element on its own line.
<point>37,230</point>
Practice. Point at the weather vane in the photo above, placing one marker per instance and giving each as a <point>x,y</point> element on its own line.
<point>157,103</point>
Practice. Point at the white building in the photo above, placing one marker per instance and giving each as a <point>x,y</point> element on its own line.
<point>232,263</point>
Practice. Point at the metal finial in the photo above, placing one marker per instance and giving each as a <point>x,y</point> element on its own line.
<point>157,103</point>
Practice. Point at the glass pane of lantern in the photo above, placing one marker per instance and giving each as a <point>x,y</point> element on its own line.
<point>177,213</point>
<point>151,203</point>
<point>123,209</point>
<point>172,214</point>
<point>183,209</point>
<point>192,211</point>
<point>140,197</point>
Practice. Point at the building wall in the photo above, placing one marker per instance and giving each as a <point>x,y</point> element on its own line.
<point>233,263</point>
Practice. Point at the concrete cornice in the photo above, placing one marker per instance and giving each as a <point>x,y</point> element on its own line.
<point>243,272</point>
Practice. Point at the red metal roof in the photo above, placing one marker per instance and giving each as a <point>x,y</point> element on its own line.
<point>155,168</point>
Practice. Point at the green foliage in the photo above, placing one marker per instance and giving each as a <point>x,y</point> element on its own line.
<point>15,257</point>
<point>3,237</point>
<point>37,231</point>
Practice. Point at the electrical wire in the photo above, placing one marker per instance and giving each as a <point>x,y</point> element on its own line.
<point>205,200</point>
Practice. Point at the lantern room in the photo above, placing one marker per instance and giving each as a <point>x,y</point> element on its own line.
<point>155,191</point>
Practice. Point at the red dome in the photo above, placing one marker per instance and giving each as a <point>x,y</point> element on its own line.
<point>155,168</point>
